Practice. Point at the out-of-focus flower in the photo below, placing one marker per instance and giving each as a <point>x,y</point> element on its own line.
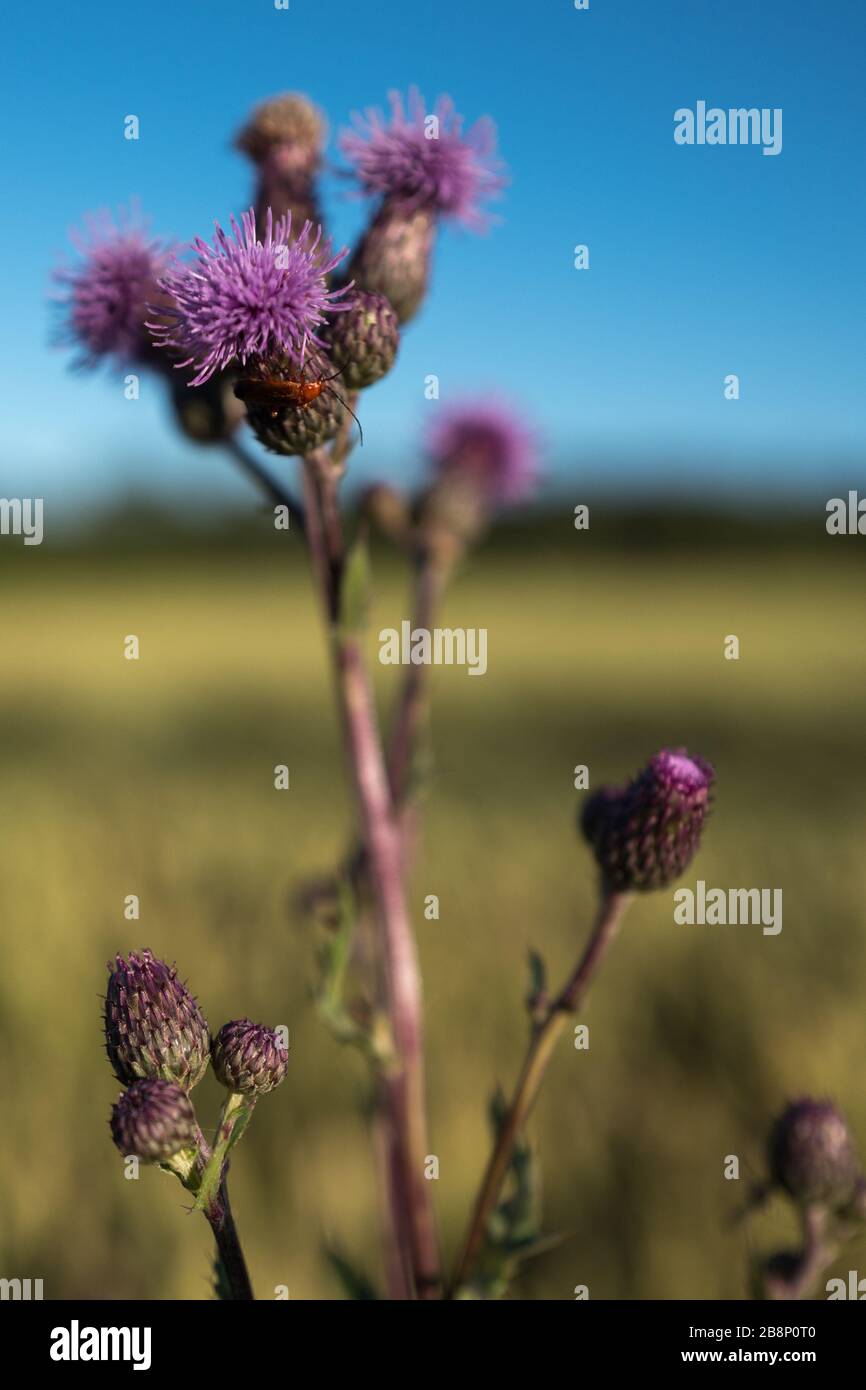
<point>364,341</point>
<point>153,1120</point>
<point>483,456</point>
<point>487,444</point>
<point>284,138</point>
<point>153,1026</point>
<point>812,1154</point>
<point>243,298</point>
<point>421,166</point>
<point>104,298</point>
<point>424,161</point>
<point>645,834</point>
<point>249,1058</point>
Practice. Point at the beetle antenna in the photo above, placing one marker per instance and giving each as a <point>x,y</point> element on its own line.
<point>346,406</point>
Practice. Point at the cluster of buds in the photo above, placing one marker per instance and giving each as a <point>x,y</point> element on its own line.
<point>259,309</point>
<point>159,1046</point>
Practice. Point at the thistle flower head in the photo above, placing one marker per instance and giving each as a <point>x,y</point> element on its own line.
<point>812,1154</point>
<point>153,1120</point>
<point>364,341</point>
<point>645,834</point>
<point>290,122</point>
<point>243,297</point>
<point>153,1026</point>
<point>249,1058</point>
<point>103,298</point>
<point>424,161</point>
<point>488,445</point>
<point>284,139</point>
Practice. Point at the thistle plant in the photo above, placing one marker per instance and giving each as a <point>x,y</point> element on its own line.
<point>644,835</point>
<point>268,321</point>
<point>158,1044</point>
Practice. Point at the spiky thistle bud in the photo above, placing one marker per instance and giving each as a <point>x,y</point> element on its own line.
<point>153,1026</point>
<point>284,413</point>
<point>393,258</point>
<point>153,1120</point>
<point>249,1058</point>
<point>645,834</point>
<point>812,1154</point>
<point>364,341</point>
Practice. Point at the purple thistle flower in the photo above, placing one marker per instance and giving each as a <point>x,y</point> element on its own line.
<point>153,1026</point>
<point>487,446</point>
<point>243,298</point>
<point>645,834</point>
<point>104,299</point>
<point>154,1120</point>
<point>248,1057</point>
<point>450,173</point>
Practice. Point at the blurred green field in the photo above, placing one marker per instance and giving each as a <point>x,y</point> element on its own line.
<point>156,778</point>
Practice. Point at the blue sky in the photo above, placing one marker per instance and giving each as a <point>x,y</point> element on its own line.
<point>703,261</point>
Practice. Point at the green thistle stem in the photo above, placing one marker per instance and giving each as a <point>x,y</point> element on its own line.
<point>542,1043</point>
<point>209,1183</point>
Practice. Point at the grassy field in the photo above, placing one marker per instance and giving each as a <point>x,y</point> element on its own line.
<point>155,778</point>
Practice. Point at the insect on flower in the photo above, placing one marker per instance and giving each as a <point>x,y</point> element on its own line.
<point>275,394</point>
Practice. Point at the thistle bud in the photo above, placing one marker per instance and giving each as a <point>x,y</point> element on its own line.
<point>284,138</point>
<point>249,1058</point>
<point>812,1154</point>
<point>393,258</point>
<point>364,341</point>
<point>211,413</point>
<point>153,1026</point>
<point>153,1120</point>
<point>646,834</point>
<point>295,426</point>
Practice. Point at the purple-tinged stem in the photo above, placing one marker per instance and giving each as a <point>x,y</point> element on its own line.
<point>222,1223</point>
<point>544,1037</point>
<point>412,712</point>
<point>817,1254</point>
<point>402,1088</point>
